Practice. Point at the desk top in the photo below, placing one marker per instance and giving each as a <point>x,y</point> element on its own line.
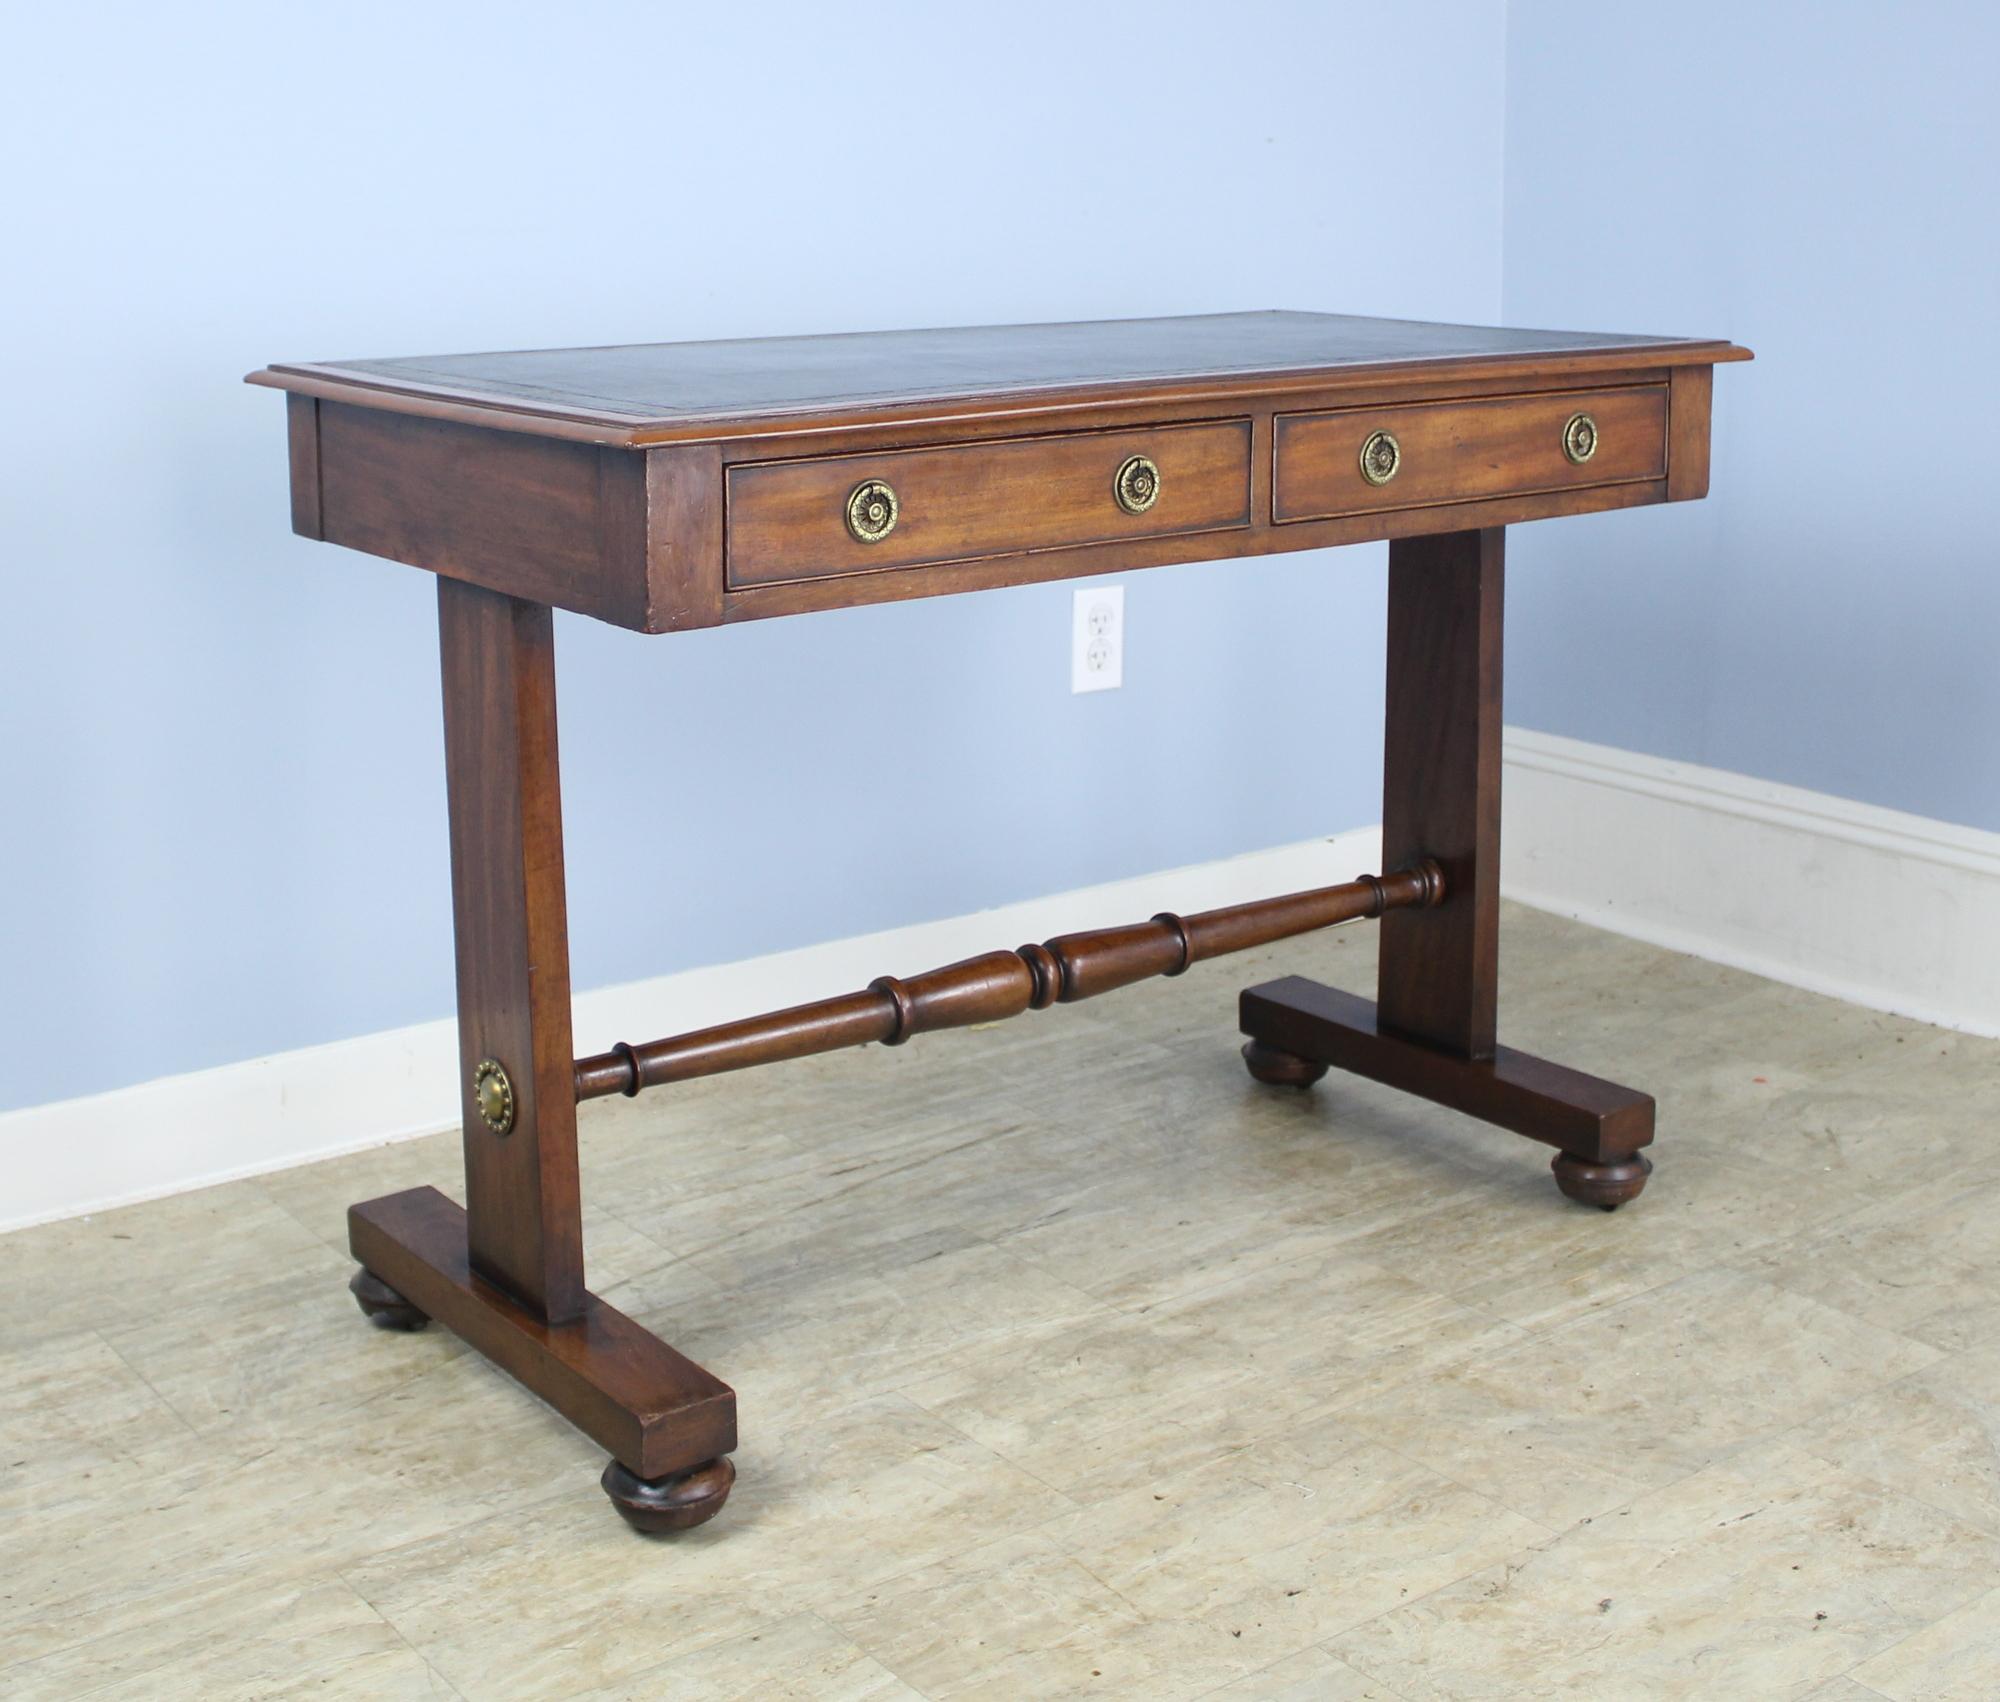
<point>664,486</point>
<point>659,392</point>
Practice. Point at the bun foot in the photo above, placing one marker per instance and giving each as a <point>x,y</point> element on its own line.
<point>1280,1069</point>
<point>677,1503</point>
<point>1606,1186</point>
<point>386,1308</point>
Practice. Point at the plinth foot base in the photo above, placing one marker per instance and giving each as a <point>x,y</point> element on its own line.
<point>386,1308</point>
<point>679,1502</point>
<point>616,1381</point>
<point>1606,1186</point>
<point>1279,1068</point>
<point>1296,1026</point>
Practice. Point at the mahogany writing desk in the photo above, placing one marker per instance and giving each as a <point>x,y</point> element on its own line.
<point>677,485</point>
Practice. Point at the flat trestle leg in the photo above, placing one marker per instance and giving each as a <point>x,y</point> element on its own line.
<point>505,1273</point>
<point>1431,1029</point>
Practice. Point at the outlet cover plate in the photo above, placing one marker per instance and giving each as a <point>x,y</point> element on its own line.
<point>1097,638</point>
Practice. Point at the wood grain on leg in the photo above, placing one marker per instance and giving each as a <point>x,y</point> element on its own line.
<point>508,906</point>
<point>1441,786</point>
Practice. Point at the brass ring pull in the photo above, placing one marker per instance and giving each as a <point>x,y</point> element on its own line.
<point>1579,438</point>
<point>1381,455</point>
<point>1137,486</point>
<point>871,511</point>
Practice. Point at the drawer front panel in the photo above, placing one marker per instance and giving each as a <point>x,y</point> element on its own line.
<point>1464,451</point>
<point>788,520</point>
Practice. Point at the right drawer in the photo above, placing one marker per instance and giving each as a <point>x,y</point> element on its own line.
<point>1417,454</point>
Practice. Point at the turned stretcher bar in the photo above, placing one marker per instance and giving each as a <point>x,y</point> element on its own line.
<point>1002,983</point>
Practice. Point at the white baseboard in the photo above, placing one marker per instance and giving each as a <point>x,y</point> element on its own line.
<point>188,1131</point>
<point>1893,911</point>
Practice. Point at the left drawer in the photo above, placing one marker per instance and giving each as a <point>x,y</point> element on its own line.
<point>844,514</point>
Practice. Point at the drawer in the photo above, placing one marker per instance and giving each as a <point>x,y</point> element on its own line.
<point>1423,453</point>
<point>790,520</point>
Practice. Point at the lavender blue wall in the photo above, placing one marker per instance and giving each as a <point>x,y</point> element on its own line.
<point>221,808</point>
<point>1817,181</point>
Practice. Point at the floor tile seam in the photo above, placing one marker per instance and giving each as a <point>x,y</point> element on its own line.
<point>828,1612</point>
<point>1148,1618</point>
<point>1550,1533</point>
<point>403,1637</point>
<point>159,1664</point>
<point>1088,1304</point>
<point>1357,1445</point>
<point>819,1200</point>
<point>1992,1595</point>
<point>434,1663</point>
<point>825,1622</point>
<point>429,1665</point>
<point>1391,1693</point>
<point>1536,1331</point>
<point>917,1407</point>
<point>1742,1267</point>
<point>1986,1527</point>
<point>1722,1457</point>
<point>194,1434</point>
<point>1563,1532</point>
<point>517,1517</point>
<point>279,1205</point>
<point>1138,1308</point>
<point>617,1215</point>
<point>1330,1642</point>
<point>901,1382</point>
<point>814,1614</point>
<point>1936,1355</point>
<point>300,1580</point>
<point>1340,1405</point>
<point>1893,1387</point>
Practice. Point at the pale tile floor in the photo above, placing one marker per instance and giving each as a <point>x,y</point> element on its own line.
<point>1073,1363</point>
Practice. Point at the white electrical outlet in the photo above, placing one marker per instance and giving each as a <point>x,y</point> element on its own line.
<point>1097,639</point>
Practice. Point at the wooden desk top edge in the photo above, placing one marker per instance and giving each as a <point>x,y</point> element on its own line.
<point>409,386</point>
